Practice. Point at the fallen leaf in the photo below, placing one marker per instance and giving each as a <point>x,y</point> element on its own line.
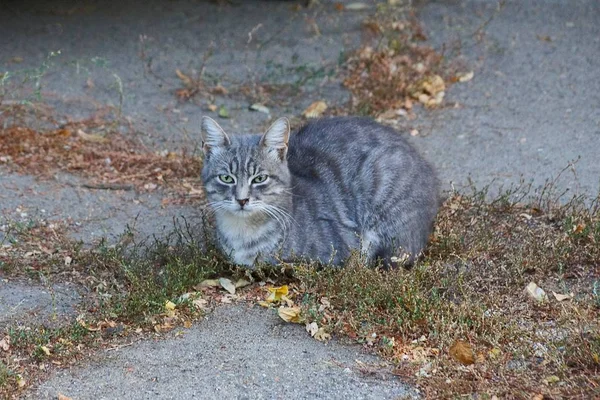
<point>45,349</point>
<point>357,6</point>
<point>241,283</point>
<point>260,108</point>
<point>312,328</point>
<point>68,261</point>
<point>462,352</point>
<point>169,305</point>
<point>264,304</point>
<point>494,353</point>
<point>551,379</point>
<point>91,137</point>
<point>63,397</point>
<point>321,335</point>
<point>290,314</point>
<point>227,285</point>
<point>5,343</point>
<point>223,113</point>
<point>466,77</point>
<point>187,324</point>
<point>276,293</point>
<point>20,381</point>
<point>315,110</point>
<point>536,292</point>
<point>200,303</point>
<point>212,107</point>
<point>562,297</point>
<point>208,283</point>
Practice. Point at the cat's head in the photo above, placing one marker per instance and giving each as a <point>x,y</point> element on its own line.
<point>246,175</point>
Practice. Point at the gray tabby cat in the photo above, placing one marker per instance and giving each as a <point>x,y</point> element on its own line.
<point>335,185</point>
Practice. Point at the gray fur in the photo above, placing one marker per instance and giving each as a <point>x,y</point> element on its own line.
<point>335,185</point>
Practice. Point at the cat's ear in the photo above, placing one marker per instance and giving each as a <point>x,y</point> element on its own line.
<point>275,140</point>
<point>213,135</point>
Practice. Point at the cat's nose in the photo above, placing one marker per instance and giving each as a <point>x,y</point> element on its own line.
<point>243,202</point>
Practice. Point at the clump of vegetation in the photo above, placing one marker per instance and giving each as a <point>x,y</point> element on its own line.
<point>458,323</point>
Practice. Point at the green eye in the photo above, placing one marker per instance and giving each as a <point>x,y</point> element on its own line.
<point>260,179</point>
<point>226,178</point>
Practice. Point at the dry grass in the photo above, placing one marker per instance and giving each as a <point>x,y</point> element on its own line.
<point>470,288</point>
<point>106,158</point>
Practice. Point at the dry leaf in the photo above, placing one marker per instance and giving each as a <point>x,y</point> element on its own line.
<point>208,283</point>
<point>46,350</point>
<point>551,379</point>
<point>20,381</point>
<point>260,108</point>
<point>212,107</point>
<point>241,283</point>
<point>90,137</point>
<point>562,297</point>
<point>494,353</point>
<point>536,292</point>
<point>187,324</point>
<point>321,335</point>
<point>357,6</point>
<point>227,285</point>
<point>315,110</point>
<point>466,77</point>
<point>312,328</point>
<point>169,305</point>
<point>277,293</point>
<point>200,303</point>
<point>290,314</point>
<point>462,352</point>
<point>63,397</point>
<point>264,304</point>
<point>5,343</point>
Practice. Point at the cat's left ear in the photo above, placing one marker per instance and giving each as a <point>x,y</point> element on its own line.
<point>213,136</point>
<point>275,139</point>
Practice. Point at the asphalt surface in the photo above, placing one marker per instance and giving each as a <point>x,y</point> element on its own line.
<point>531,109</point>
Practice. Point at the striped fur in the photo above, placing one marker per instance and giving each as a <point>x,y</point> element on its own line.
<point>335,185</point>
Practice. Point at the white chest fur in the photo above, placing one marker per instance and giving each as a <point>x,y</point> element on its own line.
<point>244,240</point>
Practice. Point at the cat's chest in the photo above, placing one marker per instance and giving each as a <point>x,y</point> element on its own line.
<point>240,232</point>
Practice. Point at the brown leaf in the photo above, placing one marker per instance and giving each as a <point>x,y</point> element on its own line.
<point>63,397</point>
<point>5,343</point>
<point>90,137</point>
<point>462,352</point>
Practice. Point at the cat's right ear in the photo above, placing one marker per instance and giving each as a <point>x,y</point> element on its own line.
<point>213,136</point>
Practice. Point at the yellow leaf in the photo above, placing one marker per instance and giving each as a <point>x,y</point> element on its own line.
<point>551,379</point>
<point>290,314</point>
<point>169,305</point>
<point>494,353</point>
<point>462,352</point>
<point>20,381</point>
<point>315,110</point>
<point>277,293</point>
<point>264,304</point>
<point>187,324</point>
<point>45,350</point>
<point>321,335</point>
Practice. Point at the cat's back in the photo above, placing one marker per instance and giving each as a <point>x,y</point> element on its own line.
<point>348,147</point>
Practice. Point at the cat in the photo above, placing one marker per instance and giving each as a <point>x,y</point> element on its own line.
<point>335,185</point>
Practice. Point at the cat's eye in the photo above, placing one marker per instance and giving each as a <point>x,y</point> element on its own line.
<point>260,179</point>
<point>226,178</point>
